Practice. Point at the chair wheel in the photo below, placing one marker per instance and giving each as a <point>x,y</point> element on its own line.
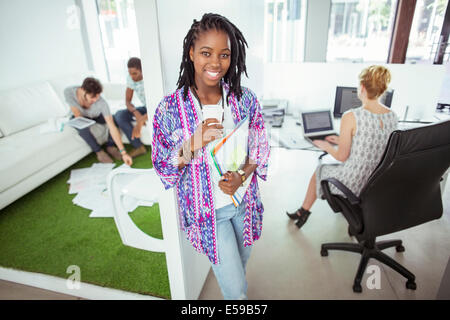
<point>357,288</point>
<point>410,284</point>
<point>324,253</point>
<point>400,248</point>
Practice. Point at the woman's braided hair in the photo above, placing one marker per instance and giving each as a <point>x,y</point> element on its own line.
<point>238,43</point>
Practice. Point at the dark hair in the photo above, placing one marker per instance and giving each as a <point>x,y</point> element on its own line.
<point>92,86</point>
<point>238,43</point>
<point>134,63</point>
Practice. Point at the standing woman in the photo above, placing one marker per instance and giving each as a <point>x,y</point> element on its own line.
<point>210,74</point>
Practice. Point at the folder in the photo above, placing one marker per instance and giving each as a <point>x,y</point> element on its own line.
<point>230,152</point>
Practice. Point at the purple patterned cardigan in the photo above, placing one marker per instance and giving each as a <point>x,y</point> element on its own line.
<point>174,121</point>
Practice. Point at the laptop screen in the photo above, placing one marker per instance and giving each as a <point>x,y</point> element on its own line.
<point>317,121</point>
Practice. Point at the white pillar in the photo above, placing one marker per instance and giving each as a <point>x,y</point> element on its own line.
<point>317,23</point>
<point>149,43</point>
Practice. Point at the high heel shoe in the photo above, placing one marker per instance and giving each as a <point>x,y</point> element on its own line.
<point>295,215</point>
<point>303,218</point>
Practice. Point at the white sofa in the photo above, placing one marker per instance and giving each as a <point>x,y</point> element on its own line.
<point>30,158</point>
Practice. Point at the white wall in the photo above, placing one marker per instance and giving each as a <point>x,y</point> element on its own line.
<point>176,19</point>
<point>39,40</point>
<point>313,85</point>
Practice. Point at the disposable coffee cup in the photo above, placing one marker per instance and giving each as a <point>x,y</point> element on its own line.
<point>213,111</point>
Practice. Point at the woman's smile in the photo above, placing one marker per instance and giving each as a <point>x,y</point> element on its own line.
<point>213,75</point>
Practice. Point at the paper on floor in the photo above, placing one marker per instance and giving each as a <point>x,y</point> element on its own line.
<point>83,179</point>
<point>90,186</point>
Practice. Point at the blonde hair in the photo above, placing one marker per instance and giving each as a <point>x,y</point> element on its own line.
<point>375,79</point>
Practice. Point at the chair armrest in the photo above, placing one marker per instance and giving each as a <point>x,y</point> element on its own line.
<point>352,198</point>
<point>349,212</point>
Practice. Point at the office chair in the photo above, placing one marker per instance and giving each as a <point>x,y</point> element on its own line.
<point>402,192</point>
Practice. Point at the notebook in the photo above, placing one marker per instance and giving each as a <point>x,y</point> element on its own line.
<point>317,125</point>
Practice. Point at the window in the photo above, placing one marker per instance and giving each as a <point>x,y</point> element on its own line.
<point>425,31</point>
<point>285,30</point>
<point>117,21</point>
<point>360,30</point>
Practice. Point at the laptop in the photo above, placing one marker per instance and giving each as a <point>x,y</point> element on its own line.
<point>317,125</point>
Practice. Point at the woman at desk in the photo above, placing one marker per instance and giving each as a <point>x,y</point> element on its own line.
<point>210,74</point>
<point>363,137</point>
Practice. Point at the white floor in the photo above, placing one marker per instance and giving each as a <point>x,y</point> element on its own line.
<point>286,262</point>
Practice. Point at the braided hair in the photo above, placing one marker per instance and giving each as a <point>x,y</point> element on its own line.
<point>237,64</point>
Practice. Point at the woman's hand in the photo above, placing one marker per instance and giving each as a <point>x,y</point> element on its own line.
<point>332,139</point>
<point>208,131</point>
<point>322,144</point>
<point>230,182</point>
<point>127,159</point>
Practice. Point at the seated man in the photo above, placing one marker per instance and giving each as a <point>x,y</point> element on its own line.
<point>85,101</point>
<point>135,83</point>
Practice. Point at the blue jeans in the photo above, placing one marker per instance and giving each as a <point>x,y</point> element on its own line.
<point>123,119</point>
<point>87,135</point>
<point>233,256</point>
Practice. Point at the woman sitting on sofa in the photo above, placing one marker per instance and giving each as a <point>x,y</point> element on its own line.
<point>85,101</point>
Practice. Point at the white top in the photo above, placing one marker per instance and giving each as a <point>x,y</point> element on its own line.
<point>220,199</point>
<point>138,87</point>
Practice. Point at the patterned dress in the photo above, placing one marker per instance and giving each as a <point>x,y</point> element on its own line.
<point>367,148</point>
<point>175,120</point>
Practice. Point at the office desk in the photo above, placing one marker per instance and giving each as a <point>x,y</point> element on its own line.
<point>290,136</point>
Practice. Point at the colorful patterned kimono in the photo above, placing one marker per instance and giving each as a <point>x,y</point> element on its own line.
<point>175,120</point>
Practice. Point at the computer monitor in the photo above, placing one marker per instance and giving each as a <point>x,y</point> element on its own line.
<point>386,98</point>
<point>347,98</point>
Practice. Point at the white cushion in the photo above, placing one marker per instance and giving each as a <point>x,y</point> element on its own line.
<point>116,105</point>
<point>25,153</point>
<point>114,91</point>
<point>28,106</point>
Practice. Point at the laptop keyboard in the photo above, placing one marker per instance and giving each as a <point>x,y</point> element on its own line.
<point>322,137</point>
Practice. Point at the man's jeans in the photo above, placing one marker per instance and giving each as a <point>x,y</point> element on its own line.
<point>123,119</point>
<point>87,135</point>
<point>233,256</point>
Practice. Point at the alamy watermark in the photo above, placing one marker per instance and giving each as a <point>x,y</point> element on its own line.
<point>73,17</point>
<point>374,280</point>
<point>74,280</point>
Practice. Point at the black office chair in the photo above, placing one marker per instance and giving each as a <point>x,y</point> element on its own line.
<point>402,192</point>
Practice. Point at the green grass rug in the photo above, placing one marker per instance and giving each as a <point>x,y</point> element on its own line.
<point>45,232</point>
